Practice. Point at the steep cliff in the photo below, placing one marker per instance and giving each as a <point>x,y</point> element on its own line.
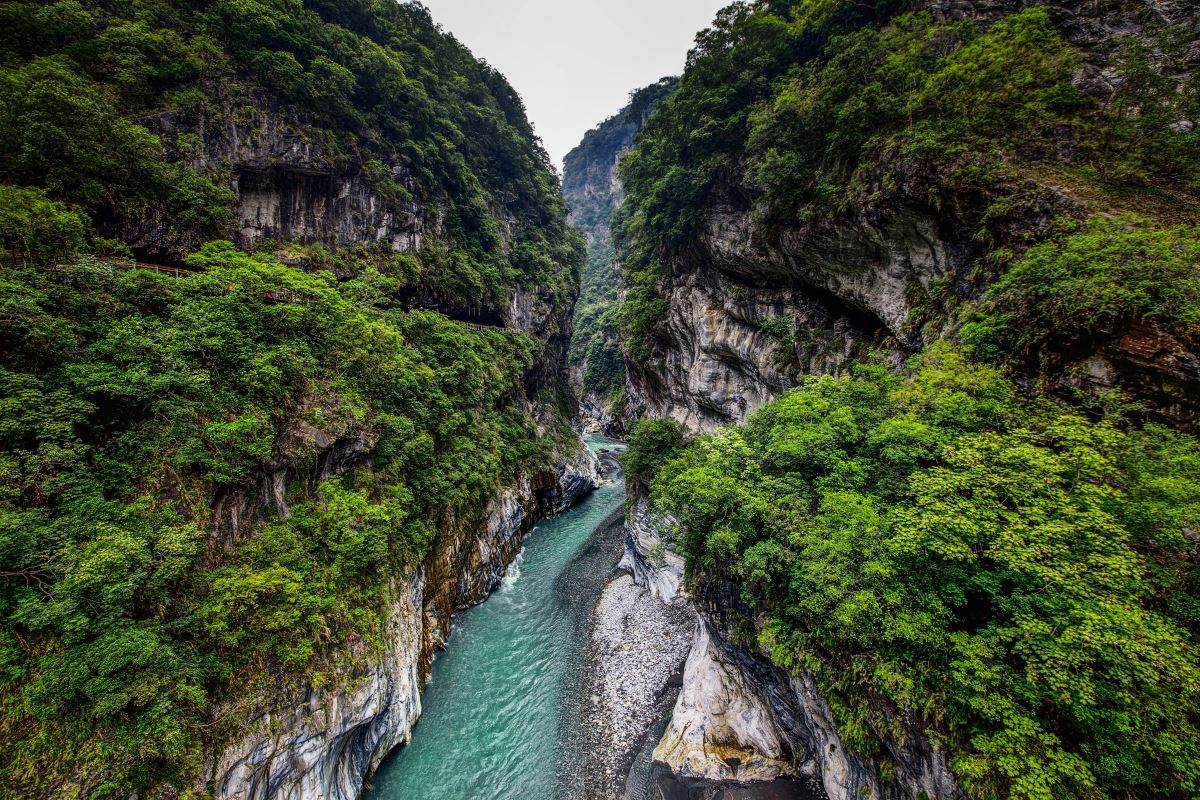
<point>323,743</point>
<point>861,205</point>
<point>902,243</point>
<point>593,193</point>
<point>283,375</point>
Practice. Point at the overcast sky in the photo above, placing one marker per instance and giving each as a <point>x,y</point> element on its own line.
<point>576,61</point>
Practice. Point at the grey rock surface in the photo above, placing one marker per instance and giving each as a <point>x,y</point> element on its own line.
<point>649,557</point>
<point>751,310</point>
<point>739,719</point>
<point>722,727</point>
<point>323,744</point>
<point>326,746</point>
<point>637,645</point>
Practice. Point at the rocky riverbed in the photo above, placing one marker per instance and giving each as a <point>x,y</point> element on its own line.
<point>632,665</point>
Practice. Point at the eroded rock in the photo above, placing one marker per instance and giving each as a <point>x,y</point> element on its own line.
<point>722,727</point>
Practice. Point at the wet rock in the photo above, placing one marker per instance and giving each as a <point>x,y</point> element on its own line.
<point>577,475</point>
<point>666,785</point>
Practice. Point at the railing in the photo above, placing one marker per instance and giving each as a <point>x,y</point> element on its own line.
<point>479,326</point>
<point>163,269</point>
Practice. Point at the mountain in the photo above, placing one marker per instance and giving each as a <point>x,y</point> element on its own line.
<point>910,319</point>
<point>868,202</point>
<point>282,366</point>
<point>593,193</point>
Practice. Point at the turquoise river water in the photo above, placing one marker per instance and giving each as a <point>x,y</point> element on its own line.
<point>497,708</point>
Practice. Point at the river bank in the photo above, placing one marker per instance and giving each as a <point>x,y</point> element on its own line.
<point>628,682</point>
<point>496,702</point>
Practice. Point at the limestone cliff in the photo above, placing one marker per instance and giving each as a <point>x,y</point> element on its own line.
<point>751,304</point>
<point>348,261</point>
<point>322,744</point>
<point>740,295</point>
<point>741,724</point>
<point>593,192</point>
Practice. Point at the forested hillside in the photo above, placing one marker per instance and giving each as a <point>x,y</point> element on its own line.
<point>214,478</point>
<point>131,112</point>
<point>942,263</point>
<point>593,193</point>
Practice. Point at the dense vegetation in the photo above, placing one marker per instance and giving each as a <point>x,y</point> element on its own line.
<point>652,443</point>
<point>800,111</point>
<point>1099,280</point>
<point>127,397</point>
<point>370,85</point>
<point>1013,577</point>
<point>131,402</point>
<point>945,548</point>
<point>588,187</point>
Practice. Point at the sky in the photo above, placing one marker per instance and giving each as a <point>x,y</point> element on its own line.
<point>575,61</point>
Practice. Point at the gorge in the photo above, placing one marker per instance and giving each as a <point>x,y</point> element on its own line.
<point>826,431</point>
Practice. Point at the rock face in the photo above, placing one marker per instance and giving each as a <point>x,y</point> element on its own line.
<point>290,189</point>
<point>590,181</point>
<point>749,312</point>
<point>722,727</point>
<point>648,555</point>
<point>741,719</point>
<point>288,186</point>
<point>324,743</point>
<point>593,192</point>
<point>747,315</point>
<point>326,746</point>
<point>719,363</point>
<point>741,727</point>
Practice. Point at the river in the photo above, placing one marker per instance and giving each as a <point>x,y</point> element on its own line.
<point>500,698</point>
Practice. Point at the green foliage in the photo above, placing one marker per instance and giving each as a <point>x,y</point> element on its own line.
<point>913,90</point>
<point>595,342</point>
<point>368,84</point>
<point>1099,280</point>
<point>693,145</point>
<point>132,404</point>
<point>129,400</point>
<point>598,337</point>
<point>62,133</point>
<point>651,444</point>
<point>1142,140</point>
<point>1010,575</point>
<point>797,112</point>
<point>36,229</point>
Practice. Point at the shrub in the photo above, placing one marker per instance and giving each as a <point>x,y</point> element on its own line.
<point>651,444</point>
<point>1008,574</point>
<point>38,230</point>
<point>128,400</point>
<point>1095,282</point>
